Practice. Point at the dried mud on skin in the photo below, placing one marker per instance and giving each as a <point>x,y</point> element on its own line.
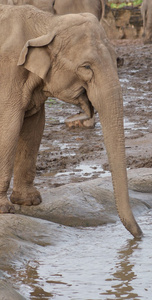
<point>63,150</point>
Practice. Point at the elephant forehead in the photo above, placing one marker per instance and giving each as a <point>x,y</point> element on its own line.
<point>79,49</point>
<point>81,35</point>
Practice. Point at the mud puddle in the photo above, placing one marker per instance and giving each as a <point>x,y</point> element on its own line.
<point>87,264</point>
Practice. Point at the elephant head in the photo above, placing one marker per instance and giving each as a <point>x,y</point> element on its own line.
<point>77,64</point>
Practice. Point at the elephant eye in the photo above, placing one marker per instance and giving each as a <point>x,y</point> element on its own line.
<point>87,67</point>
<point>85,72</point>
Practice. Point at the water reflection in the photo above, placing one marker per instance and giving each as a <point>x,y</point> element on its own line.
<point>30,278</point>
<point>123,276</point>
<point>85,263</point>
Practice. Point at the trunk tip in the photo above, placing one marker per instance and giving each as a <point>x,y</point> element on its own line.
<point>139,235</point>
<point>136,232</point>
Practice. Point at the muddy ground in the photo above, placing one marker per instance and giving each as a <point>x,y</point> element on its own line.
<point>78,154</point>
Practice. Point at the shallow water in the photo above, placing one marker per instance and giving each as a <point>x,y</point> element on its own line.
<point>88,264</point>
<point>86,170</point>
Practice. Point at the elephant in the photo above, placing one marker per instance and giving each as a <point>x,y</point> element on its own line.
<point>96,7</point>
<point>46,5</point>
<point>43,55</point>
<point>146,11</point>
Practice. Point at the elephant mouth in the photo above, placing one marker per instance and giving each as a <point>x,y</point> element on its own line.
<point>80,98</point>
<point>86,104</point>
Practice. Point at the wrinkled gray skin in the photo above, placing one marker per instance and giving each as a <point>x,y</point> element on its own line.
<point>46,5</point>
<point>96,7</point>
<point>146,11</point>
<point>43,55</point>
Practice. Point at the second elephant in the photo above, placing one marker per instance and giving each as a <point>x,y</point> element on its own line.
<point>46,5</point>
<point>62,7</point>
<point>96,7</point>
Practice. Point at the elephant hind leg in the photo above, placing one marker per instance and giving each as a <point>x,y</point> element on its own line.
<point>24,193</point>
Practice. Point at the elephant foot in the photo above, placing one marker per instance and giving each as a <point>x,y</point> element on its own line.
<point>27,199</point>
<point>6,207</point>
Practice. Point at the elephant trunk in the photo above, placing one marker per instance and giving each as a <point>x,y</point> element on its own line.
<point>109,104</point>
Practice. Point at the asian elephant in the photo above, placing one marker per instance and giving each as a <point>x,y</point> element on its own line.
<point>146,11</point>
<point>96,7</point>
<point>61,7</point>
<point>43,55</point>
<point>46,5</point>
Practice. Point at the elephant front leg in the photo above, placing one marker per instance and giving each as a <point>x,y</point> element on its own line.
<point>24,193</point>
<point>10,125</point>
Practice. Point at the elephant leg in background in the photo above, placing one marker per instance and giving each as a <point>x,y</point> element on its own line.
<point>11,119</point>
<point>148,28</point>
<point>24,193</point>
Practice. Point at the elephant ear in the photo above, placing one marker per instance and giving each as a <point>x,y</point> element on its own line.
<point>34,56</point>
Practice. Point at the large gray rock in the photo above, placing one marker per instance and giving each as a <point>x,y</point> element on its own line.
<point>8,293</point>
<point>23,239</point>
<point>90,203</point>
<point>140,180</point>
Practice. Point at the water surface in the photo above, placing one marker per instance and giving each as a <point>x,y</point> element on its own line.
<point>88,264</point>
